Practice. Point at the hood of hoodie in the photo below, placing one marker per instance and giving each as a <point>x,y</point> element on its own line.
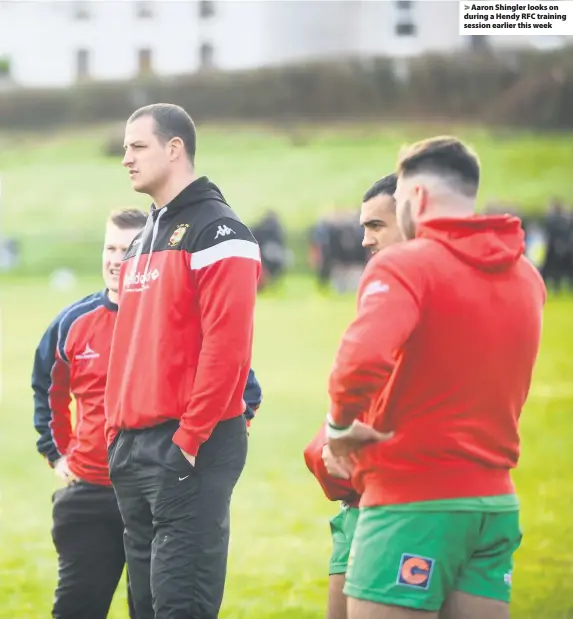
<point>199,190</point>
<point>489,243</point>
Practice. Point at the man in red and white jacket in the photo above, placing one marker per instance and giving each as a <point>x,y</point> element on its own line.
<point>179,364</point>
<point>72,360</point>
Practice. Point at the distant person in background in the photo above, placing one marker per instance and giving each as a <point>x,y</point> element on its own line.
<point>179,366</point>
<point>335,251</point>
<point>270,236</point>
<point>72,360</point>
<point>557,268</point>
<point>378,219</point>
<point>320,258</point>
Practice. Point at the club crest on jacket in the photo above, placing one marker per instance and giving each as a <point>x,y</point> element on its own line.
<point>178,234</point>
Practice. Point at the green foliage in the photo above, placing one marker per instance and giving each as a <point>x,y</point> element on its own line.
<point>527,88</point>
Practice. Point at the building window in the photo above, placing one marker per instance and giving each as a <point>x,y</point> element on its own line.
<point>144,9</point>
<point>405,20</point>
<point>206,8</point>
<point>82,65</point>
<point>405,29</point>
<point>478,43</point>
<point>145,63</point>
<point>81,10</point>
<point>206,56</point>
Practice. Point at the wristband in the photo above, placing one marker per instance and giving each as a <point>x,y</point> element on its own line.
<point>335,431</point>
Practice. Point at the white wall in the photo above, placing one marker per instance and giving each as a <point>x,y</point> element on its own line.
<point>42,37</point>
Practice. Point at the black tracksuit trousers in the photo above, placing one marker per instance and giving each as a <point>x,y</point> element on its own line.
<point>177,517</point>
<point>88,536</point>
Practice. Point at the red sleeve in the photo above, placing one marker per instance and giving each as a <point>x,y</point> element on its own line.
<point>60,400</point>
<point>334,488</point>
<point>388,312</point>
<point>226,275</point>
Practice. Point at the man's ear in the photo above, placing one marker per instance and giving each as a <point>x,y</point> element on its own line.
<point>176,148</point>
<point>422,199</point>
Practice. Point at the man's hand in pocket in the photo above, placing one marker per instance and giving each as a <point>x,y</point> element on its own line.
<point>189,458</point>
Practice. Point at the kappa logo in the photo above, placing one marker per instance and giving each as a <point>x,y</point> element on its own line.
<point>141,280</point>
<point>178,235</point>
<point>415,571</point>
<point>88,353</point>
<point>224,231</point>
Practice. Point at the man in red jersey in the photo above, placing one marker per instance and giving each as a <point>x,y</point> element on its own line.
<point>72,359</point>
<point>439,360</point>
<point>179,365</point>
<point>378,219</point>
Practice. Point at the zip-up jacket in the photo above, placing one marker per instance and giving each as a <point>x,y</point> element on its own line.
<point>183,339</point>
<point>72,360</point>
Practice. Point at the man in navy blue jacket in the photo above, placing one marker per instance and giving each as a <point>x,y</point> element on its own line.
<point>72,360</point>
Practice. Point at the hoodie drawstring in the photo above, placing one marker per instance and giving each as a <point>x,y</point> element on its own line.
<point>144,236</point>
<point>153,238</point>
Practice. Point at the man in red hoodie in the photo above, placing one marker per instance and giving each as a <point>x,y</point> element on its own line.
<point>439,361</point>
<point>179,364</point>
<point>378,219</point>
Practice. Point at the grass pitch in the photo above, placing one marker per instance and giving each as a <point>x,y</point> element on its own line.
<point>280,535</point>
<point>56,193</point>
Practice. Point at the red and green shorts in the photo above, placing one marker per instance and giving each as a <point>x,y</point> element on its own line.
<point>414,555</point>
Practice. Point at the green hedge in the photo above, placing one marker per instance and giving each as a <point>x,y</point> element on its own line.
<point>527,89</point>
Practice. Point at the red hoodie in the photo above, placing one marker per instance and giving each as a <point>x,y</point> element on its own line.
<point>182,343</point>
<point>442,353</point>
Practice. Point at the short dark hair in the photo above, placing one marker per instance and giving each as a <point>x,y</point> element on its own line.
<point>128,218</point>
<point>385,186</point>
<point>444,156</point>
<point>171,121</point>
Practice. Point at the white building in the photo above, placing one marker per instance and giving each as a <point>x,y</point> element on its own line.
<point>51,43</point>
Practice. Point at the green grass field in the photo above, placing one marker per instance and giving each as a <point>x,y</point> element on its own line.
<point>280,536</point>
<point>58,189</point>
<point>56,193</point>
<point>67,176</point>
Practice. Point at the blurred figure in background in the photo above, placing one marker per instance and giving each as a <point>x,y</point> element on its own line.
<point>558,266</point>
<point>336,253</point>
<point>378,220</point>
<point>271,238</point>
<point>72,360</point>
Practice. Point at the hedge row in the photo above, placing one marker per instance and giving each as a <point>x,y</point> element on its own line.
<point>526,89</point>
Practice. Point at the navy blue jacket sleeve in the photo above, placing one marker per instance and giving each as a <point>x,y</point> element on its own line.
<point>253,395</point>
<point>44,360</point>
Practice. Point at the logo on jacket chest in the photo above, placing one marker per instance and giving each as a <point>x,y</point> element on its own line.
<point>177,235</point>
<point>88,353</point>
<point>140,281</point>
